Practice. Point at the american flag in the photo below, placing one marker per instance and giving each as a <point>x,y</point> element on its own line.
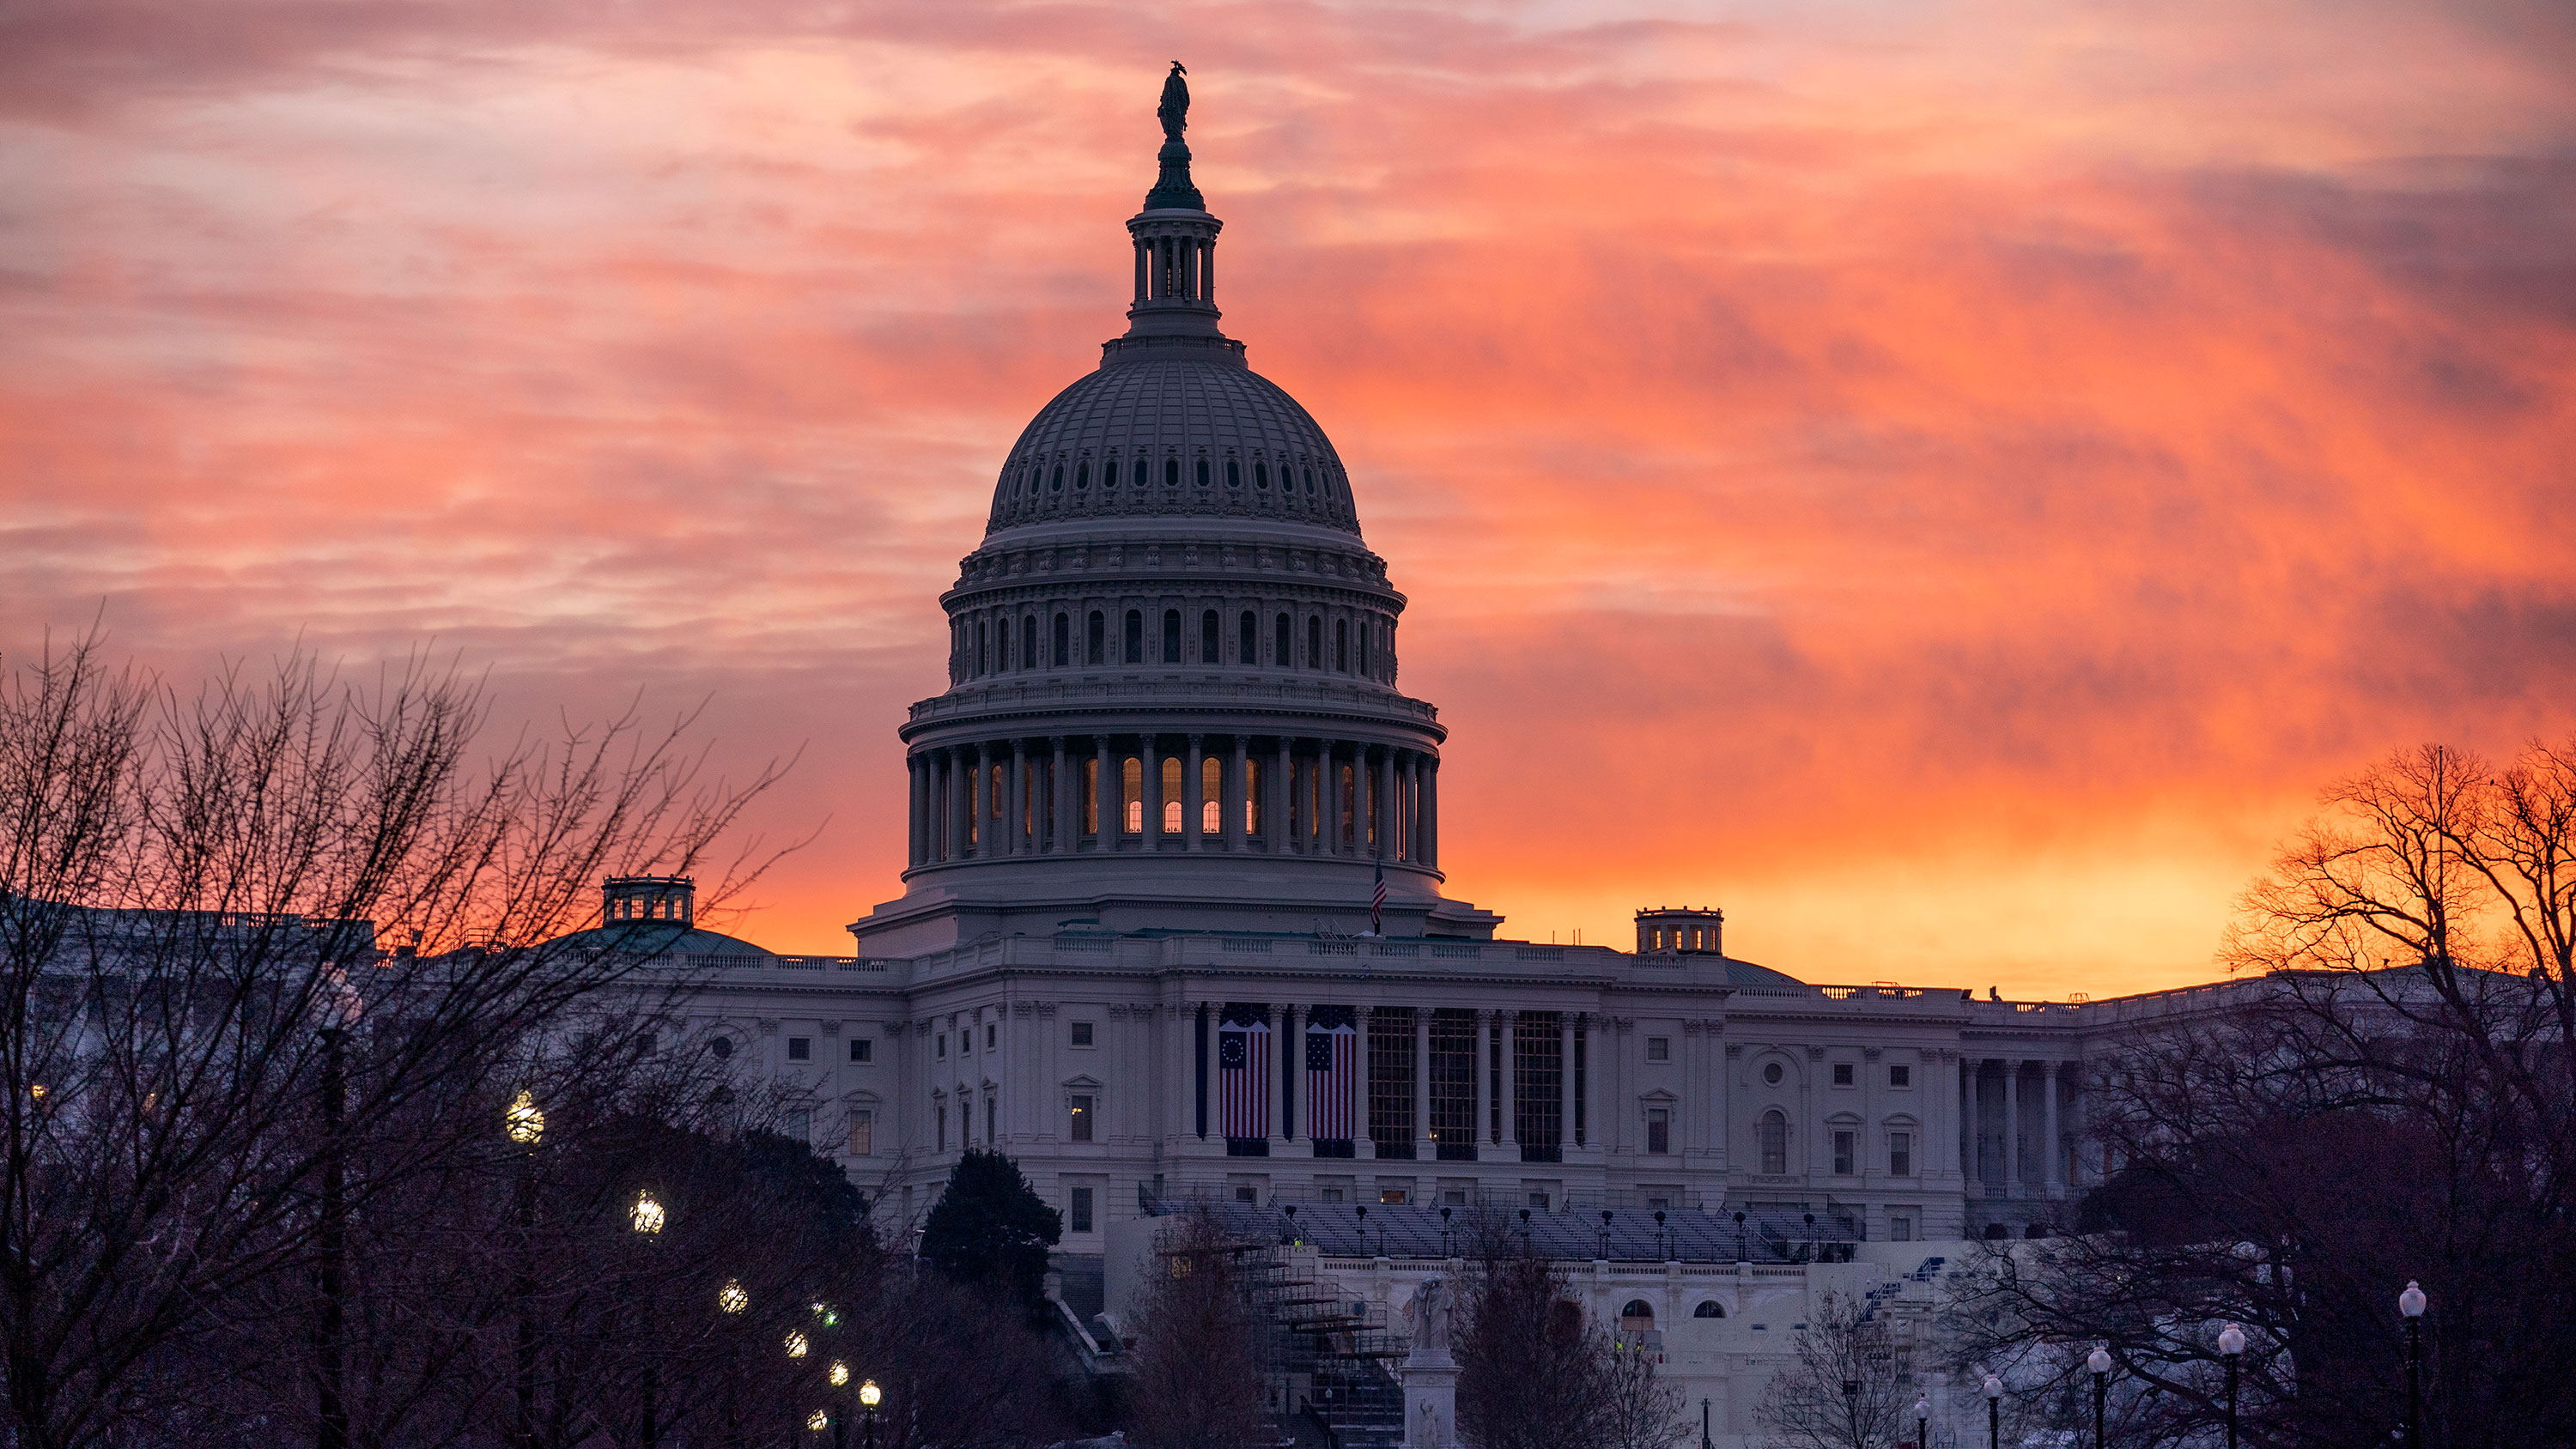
<point>1377,900</point>
<point>1243,1073</point>
<point>1332,1071</point>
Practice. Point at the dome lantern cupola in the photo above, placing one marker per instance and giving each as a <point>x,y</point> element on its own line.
<point>1174,310</point>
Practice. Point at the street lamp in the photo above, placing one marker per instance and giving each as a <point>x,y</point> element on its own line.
<point>730,1298</point>
<point>796,1344</point>
<point>2231,1344</point>
<point>646,1219</point>
<point>525,1125</point>
<point>2100,1363</point>
<point>1994,1412</point>
<point>2411,1304</point>
<point>1922,1423</point>
<point>839,1378</point>
<point>869,1397</point>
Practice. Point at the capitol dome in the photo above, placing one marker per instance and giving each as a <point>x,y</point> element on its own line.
<point>1172,697</point>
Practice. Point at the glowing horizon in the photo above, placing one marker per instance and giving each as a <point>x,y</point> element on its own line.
<point>1945,484</point>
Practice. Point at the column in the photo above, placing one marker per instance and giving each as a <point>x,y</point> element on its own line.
<point>1565,1084</point>
<point>2012,1128</point>
<point>1484,1079</point>
<point>1283,1120</point>
<point>1424,1149</point>
<point>1193,794</point>
<point>1328,797</point>
<point>1236,798</point>
<point>1275,813</point>
<point>954,802</point>
<point>1207,272</point>
<point>1972,1164</point>
<point>913,816</point>
<point>1060,797</point>
<point>2052,1158</point>
<point>1363,1141</point>
<point>1382,809</point>
<point>1431,812</point>
<point>1511,1136</point>
<point>1413,805</point>
<point>1149,762</point>
<point>979,802</point>
<point>1142,266</point>
<point>1023,814</point>
<point>1104,794</point>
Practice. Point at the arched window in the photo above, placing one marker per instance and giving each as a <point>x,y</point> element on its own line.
<point>1109,470</point>
<point>1709,1308</point>
<point>1141,474</point>
<point>1135,637</point>
<point>1637,1317</point>
<point>999,791</point>
<point>1251,797</point>
<point>1314,641</point>
<point>1310,482</point>
<point>1171,636</point>
<point>1211,637</point>
<point>1366,629</point>
<point>1171,794</point>
<point>1211,795</point>
<point>1261,475</point>
<point>1082,476</point>
<point>1171,472</point>
<point>1282,659</point>
<point>1063,640</point>
<point>1056,483</point>
<point>1233,474</point>
<point>1098,652</point>
<point>1249,646</point>
<point>1091,797</point>
<point>1029,642</point>
<point>1203,473</point>
<point>983,647</point>
<point>1775,1143</point>
<point>1131,783</point>
<point>1342,645</point>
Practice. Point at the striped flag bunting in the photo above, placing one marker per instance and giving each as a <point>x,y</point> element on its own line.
<point>1332,1074</point>
<point>1243,1072</point>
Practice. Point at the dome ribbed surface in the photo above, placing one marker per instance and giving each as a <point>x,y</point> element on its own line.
<point>1078,457</point>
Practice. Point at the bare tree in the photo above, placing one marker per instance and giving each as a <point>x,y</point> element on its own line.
<point>1533,1369</point>
<point>1840,1388</point>
<point>272,957</point>
<point>1197,1381</point>
<point>1639,1409</point>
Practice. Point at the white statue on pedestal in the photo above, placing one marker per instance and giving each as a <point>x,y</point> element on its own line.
<point>1429,1374</point>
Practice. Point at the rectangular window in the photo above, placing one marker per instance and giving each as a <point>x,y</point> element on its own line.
<point>1314,641</point>
<point>1131,785</point>
<point>1098,651</point>
<point>862,1050</point>
<point>1900,1076</point>
<point>1659,1048</point>
<point>1452,1070</point>
<point>992,1121</point>
<point>1900,1154</point>
<point>1395,1196</point>
<point>992,1036</point>
<point>1171,636</point>
<point>1211,637</point>
<point>1135,637</point>
<point>1390,1082</point>
<point>800,1048</point>
<point>1843,1074</point>
<point>863,1132</point>
<point>1538,1086</point>
<point>799,1125</point>
<point>1250,643</point>
<point>1246,1194</point>
<point>1081,1210</point>
<point>1329,1194</point>
<point>1082,1033</point>
<point>1063,641</point>
<point>939,1047</point>
<point>1900,1229</point>
<point>1081,1119</point>
<point>1581,1046</point>
<point>1844,1142</point>
<point>1091,797</point>
<point>939,1120</point>
<point>1659,1129</point>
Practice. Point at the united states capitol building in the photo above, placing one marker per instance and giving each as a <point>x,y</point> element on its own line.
<point>1139,945</point>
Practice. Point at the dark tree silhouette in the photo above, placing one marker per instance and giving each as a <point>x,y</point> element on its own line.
<point>1196,1384</point>
<point>991,1230</point>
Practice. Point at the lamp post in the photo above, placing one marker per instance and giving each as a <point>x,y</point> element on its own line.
<point>2411,1304</point>
<point>1739,1234</point>
<point>840,1379</point>
<point>1705,1442</point>
<point>1662,1254</point>
<point>1851,1406</point>
<point>1447,1249</point>
<point>1994,1412</point>
<point>2231,1346</point>
<point>2100,1363</point>
<point>1922,1423</point>
<point>525,1125</point>
<point>646,1220</point>
<point>869,1397</point>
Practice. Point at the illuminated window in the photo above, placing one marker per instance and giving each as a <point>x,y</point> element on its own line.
<point>1211,637</point>
<point>1063,640</point>
<point>1091,794</point>
<point>1211,795</point>
<point>998,792</point>
<point>1342,645</point>
<point>1135,637</point>
<point>863,1132</point>
<point>1775,1143</point>
<point>1098,653</point>
<point>1248,648</point>
<point>1171,636</point>
<point>1252,797</point>
<point>1081,1115</point>
<point>1314,641</point>
<point>1171,795</point>
<point>1132,784</point>
<point>1280,657</point>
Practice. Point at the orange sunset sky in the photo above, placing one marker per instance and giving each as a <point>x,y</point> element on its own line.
<point>1946,482</point>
